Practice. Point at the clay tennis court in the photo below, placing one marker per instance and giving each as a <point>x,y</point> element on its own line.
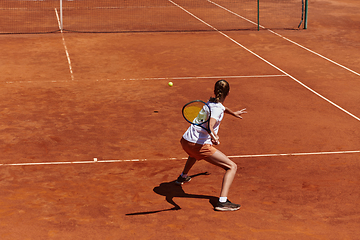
<point>90,132</point>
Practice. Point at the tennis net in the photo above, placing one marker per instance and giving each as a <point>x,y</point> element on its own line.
<point>92,16</point>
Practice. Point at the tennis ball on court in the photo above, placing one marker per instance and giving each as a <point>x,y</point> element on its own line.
<point>170,84</point>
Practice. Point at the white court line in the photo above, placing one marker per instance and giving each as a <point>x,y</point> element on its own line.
<point>211,77</point>
<point>95,160</point>
<point>318,54</point>
<point>65,47</point>
<point>293,154</point>
<point>75,162</point>
<point>266,61</point>
<point>244,18</point>
<point>157,78</point>
<point>287,39</point>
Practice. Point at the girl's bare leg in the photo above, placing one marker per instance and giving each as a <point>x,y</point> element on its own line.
<point>189,163</point>
<point>184,178</point>
<point>221,160</point>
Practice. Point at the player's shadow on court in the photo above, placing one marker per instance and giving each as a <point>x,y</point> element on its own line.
<point>171,190</point>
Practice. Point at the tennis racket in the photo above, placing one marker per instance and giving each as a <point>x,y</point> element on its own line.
<point>198,113</point>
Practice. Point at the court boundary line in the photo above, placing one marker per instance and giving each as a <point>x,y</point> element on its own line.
<point>156,78</point>
<point>266,61</point>
<point>65,46</point>
<point>209,77</point>
<point>287,39</point>
<point>266,155</point>
<point>313,52</point>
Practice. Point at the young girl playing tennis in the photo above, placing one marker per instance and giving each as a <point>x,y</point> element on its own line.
<point>198,144</point>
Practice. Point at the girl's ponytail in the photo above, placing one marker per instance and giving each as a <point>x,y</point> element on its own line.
<point>221,90</point>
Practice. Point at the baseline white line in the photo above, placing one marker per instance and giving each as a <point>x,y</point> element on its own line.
<point>266,61</point>
<point>287,39</point>
<point>74,162</point>
<point>65,47</point>
<point>293,154</point>
<point>96,161</point>
<point>47,163</point>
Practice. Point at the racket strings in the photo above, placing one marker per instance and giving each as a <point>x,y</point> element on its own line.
<point>196,113</point>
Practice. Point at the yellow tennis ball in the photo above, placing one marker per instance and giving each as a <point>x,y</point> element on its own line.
<point>170,84</point>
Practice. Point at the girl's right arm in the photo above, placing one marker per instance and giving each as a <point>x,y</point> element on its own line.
<point>211,126</point>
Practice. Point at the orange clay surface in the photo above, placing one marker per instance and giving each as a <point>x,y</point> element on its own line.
<point>120,107</point>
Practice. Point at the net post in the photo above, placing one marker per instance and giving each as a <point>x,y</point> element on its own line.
<point>61,15</point>
<point>306,14</point>
<point>258,15</point>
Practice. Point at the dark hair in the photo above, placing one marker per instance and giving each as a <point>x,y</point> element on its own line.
<point>221,90</point>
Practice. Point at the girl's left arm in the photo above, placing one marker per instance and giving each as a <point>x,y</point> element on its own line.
<point>235,114</point>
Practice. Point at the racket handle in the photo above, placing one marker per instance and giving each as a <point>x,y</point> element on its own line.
<point>214,138</point>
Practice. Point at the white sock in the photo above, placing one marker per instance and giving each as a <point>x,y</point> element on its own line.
<point>183,175</point>
<point>223,199</point>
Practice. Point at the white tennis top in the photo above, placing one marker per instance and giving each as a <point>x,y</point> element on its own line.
<point>196,134</point>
